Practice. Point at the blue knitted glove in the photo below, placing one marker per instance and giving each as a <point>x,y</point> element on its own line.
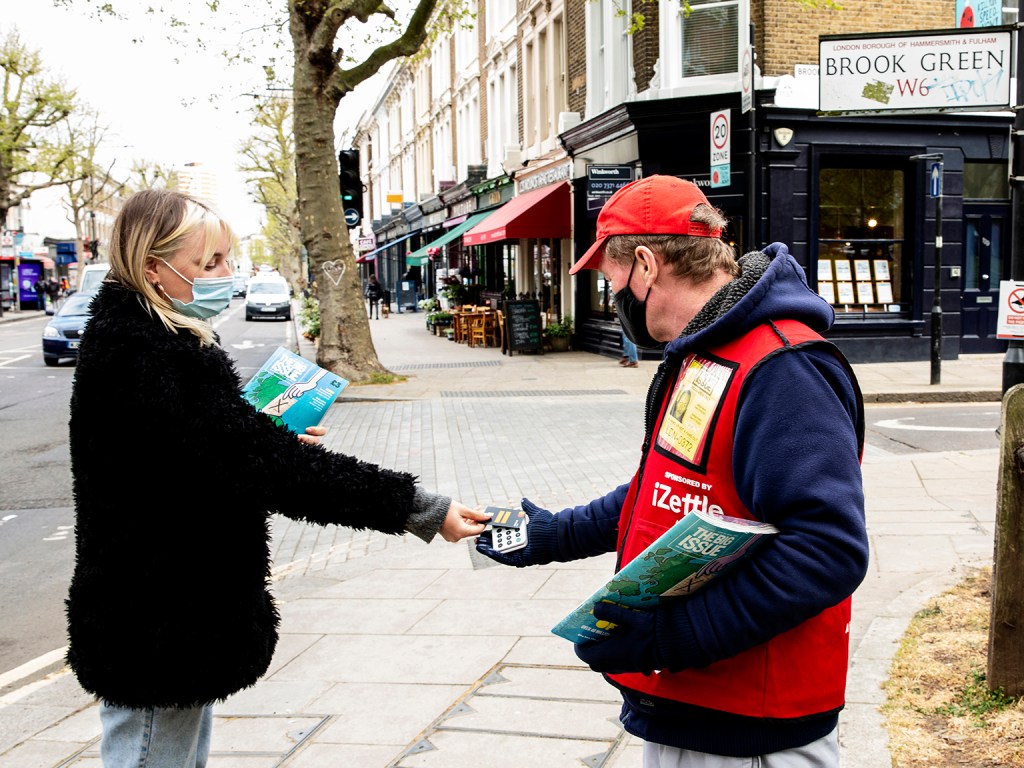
<point>631,647</point>
<point>541,540</point>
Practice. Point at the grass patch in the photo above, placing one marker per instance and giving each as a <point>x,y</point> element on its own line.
<point>381,378</point>
<point>939,711</point>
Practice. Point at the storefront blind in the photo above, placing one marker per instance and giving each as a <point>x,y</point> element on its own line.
<point>709,39</point>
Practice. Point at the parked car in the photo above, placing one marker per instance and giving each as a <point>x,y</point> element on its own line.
<point>268,296</point>
<point>63,333</point>
<point>239,285</point>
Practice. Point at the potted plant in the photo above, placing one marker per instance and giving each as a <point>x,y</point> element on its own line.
<point>309,318</point>
<point>439,320</point>
<point>558,333</point>
<point>453,292</point>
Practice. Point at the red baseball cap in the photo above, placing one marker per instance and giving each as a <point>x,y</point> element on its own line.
<point>655,205</point>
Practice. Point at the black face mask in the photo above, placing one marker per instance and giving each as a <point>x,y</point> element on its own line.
<point>633,315</point>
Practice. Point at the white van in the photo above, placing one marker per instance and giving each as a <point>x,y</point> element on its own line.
<point>91,276</point>
<point>268,296</point>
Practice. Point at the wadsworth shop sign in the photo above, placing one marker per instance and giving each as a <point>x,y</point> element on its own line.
<point>934,71</point>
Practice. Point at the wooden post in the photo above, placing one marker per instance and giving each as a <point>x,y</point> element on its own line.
<point>1006,627</point>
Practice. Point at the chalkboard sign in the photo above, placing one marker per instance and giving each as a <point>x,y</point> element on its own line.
<point>522,326</point>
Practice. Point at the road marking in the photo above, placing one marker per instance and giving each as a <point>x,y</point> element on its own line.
<point>14,360</point>
<point>27,669</point>
<point>61,534</point>
<point>5,519</point>
<point>898,424</point>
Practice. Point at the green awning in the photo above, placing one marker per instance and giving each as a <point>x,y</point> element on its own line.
<point>420,256</point>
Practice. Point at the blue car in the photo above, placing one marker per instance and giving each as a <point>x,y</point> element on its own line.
<point>63,333</point>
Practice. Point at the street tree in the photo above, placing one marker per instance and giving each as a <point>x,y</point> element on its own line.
<point>90,187</point>
<point>32,105</point>
<point>322,76</point>
<point>268,160</point>
<point>144,174</point>
<point>322,73</point>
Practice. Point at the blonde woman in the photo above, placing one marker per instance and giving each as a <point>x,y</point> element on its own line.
<point>175,477</point>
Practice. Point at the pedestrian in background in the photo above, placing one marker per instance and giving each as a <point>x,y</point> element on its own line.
<point>40,288</point>
<point>168,608</point>
<point>751,669</point>
<point>53,291</point>
<point>374,293</point>
<point>630,354</point>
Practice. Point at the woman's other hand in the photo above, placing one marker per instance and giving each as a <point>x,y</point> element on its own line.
<point>313,435</point>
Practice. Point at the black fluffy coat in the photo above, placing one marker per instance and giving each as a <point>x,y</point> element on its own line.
<point>175,477</point>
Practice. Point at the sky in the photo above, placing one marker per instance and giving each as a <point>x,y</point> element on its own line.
<point>163,103</point>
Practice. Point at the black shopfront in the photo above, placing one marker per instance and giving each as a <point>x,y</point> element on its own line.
<point>847,198</point>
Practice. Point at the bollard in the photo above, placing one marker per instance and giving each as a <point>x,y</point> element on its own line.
<point>1006,625</point>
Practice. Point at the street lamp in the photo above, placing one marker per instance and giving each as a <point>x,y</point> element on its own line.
<point>935,190</point>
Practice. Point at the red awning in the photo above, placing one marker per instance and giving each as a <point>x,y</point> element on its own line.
<point>542,213</point>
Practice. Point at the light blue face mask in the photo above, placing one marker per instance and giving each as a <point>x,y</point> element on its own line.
<point>210,295</point>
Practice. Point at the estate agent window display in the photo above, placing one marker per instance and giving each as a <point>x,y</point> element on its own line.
<point>860,267</point>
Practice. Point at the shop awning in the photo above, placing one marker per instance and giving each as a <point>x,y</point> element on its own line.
<point>542,213</point>
<point>370,256</point>
<point>420,256</point>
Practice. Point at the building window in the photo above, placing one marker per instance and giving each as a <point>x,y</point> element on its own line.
<point>709,39</point>
<point>861,255</point>
<point>609,59</point>
<point>986,181</point>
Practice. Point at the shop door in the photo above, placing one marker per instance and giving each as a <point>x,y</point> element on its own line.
<point>986,262</point>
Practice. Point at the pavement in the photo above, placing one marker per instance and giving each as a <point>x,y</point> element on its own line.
<point>400,654</point>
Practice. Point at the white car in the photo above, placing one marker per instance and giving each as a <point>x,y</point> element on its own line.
<point>268,296</point>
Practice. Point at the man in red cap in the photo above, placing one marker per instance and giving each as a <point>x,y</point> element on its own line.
<point>751,414</point>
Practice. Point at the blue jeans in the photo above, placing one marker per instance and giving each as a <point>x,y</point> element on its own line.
<point>155,737</point>
<point>629,350</point>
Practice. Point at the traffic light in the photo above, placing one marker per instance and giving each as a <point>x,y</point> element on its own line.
<point>351,186</point>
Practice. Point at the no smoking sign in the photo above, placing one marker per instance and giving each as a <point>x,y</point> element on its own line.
<point>1011,310</point>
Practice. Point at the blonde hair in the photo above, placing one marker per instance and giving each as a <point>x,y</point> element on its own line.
<point>690,257</point>
<point>157,223</point>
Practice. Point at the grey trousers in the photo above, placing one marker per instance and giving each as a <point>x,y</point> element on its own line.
<point>823,753</point>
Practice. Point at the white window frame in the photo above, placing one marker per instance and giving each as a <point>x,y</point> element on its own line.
<point>672,82</point>
<point>610,74</point>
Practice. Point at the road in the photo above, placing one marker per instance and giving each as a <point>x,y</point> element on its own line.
<point>36,515</point>
<point>934,427</point>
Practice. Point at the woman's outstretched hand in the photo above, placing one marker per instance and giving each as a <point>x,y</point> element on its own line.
<point>462,521</point>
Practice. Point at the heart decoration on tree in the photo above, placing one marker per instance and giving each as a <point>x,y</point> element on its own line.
<point>335,270</point>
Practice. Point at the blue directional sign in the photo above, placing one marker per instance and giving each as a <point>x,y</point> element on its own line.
<point>351,216</point>
<point>935,180</point>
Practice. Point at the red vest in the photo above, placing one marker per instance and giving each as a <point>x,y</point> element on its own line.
<point>688,465</point>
